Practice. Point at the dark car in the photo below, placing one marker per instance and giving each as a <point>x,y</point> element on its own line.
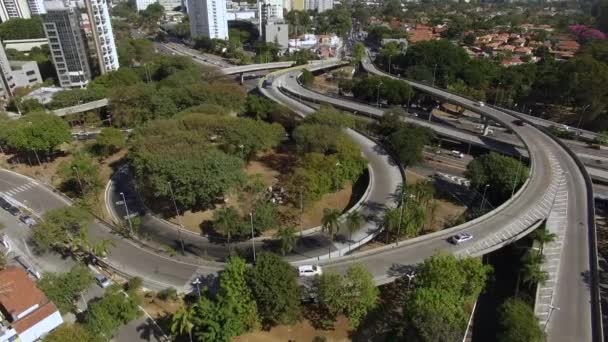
<point>14,211</point>
<point>519,122</point>
<point>4,204</point>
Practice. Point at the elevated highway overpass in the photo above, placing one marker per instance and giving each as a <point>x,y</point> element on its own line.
<point>553,170</point>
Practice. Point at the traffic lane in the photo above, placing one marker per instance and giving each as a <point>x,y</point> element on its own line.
<point>573,321</point>
<point>19,235</point>
<point>386,263</point>
<point>158,271</point>
<point>29,192</point>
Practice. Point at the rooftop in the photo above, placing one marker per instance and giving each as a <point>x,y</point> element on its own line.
<point>17,291</point>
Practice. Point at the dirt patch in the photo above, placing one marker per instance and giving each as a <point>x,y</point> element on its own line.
<point>302,331</point>
<point>270,167</point>
<point>158,308</point>
<point>326,83</point>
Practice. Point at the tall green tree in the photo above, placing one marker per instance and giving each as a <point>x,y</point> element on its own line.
<point>287,239</point>
<point>235,301</point>
<point>64,289</point>
<point>228,222</point>
<point>62,228</point>
<point>38,133</point>
<point>181,322</point>
<point>408,141</point>
<point>110,140</point>
<point>518,323</point>
<point>81,174</point>
<point>330,222</point>
<point>354,220</point>
<point>106,315</point>
<point>68,333</point>
<point>275,289</point>
<point>503,174</point>
<point>353,294</point>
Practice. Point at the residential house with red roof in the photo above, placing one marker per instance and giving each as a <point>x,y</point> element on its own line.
<point>25,312</point>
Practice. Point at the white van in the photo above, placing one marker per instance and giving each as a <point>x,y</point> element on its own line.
<point>457,154</point>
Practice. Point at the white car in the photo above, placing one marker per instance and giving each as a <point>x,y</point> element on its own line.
<point>460,238</point>
<point>457,154</point>
<point>309,270</point>
<point>102,281</point>
<point>480,104</point>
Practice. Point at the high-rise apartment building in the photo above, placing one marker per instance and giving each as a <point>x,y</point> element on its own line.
<point>208,18</point>
<point>62,25</point>
<point>101,36</point>
<point>11,9</point>
<point>81,40</point>
<point>8,83</point>
<point>270,10</point>
<point>36,7</point>
<point>318,5</point>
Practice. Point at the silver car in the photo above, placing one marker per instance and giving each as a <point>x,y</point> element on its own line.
<point>460,238</point>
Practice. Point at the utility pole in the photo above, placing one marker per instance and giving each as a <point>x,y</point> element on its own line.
<point>124,201</point>
<point>252,235</point>
<point>179,219</point>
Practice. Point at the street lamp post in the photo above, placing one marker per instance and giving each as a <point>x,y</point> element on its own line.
<point>337,181</point>
<point>483,199</point>
<point>179,219</point>
<point>124,201</point>
<point>410,275</point>
<point>378,95</point>
<point>496,95</point>
<point>197,283</point>
<point>252,235</point>
<point>434,71</point>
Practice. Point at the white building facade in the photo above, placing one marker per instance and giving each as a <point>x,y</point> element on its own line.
<point>208,18</point>
<point>103,37</point>
<point>143,4</point>
<point>318,5</point>
<point>11,9</point>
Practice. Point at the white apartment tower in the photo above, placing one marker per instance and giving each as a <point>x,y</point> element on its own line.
<point>318,5</point>
<point>8,83</point>
<point>270,10</point>
<point>102,35</point>
<point>11,9</point>
<point>208,18</point>
<point>62,25</point>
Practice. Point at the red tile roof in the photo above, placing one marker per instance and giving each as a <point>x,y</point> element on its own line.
<point>17,291</point>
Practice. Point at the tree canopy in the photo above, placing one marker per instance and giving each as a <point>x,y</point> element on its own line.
<point>64,289</point>
<point>275,289</point>
<point>37,132</point>
<point>518,322</point>
<point>503,174</point>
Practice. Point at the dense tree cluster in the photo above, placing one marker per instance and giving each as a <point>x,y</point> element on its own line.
<point>580,84</point>
<point>200,155</point>
<point>502,174</point>
<point>518,322</point>
<point>380,88</point>
<point>353,294</point>
<point>64,289</point>
<point>115,309</point>
<point>269,293</point>
<point>37,133</point>
<point>436,307</point>
<point>18,28</point>
<point>330,156</point>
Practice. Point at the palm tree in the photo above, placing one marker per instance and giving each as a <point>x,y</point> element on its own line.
<point>391,221</point>
<point>533,274</point>
<point>330,221</point>
<point>102,247</point>
<point>431,213</point>
<point>414,218</point>
<point>226,220</point>
<point>182,321</point>
<point>354,220</point>
<point>543,236</point>
<point>287,239</point>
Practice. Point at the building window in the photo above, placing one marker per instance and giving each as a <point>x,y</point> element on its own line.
<point>30,73</point>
